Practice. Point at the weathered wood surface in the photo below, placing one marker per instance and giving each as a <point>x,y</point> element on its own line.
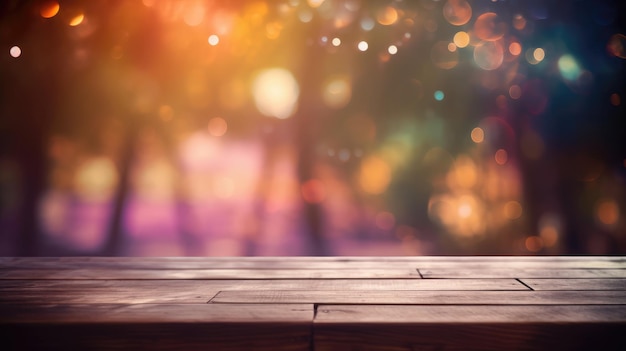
<point>313,303</point>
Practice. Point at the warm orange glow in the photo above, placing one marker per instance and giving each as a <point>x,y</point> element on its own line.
<point>515,48</point>
<point>550,235</point>
<point>387,16</point>
<point>461,39</point>
<point>512,210</point>
<point>608,212</point>
<point>76,20</point>
<point>534,243</point>
<point>457,12</point>
<point>313,191</point>
<point>478,135</point>
<point>375,175</point>
<point>217,126</point>
<point>489,26</point>
<point>501,156</point>
<point>49,9</point>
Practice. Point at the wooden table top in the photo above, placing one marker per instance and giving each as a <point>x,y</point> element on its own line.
<point>314,303</point>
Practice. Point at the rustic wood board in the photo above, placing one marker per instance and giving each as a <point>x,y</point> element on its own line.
<point>575,284</point>
<point>426,297</point>
<point>269,303</point>
<point>201,291</point>
<point>411,328</point>
<point>192,263</point>
<point>156,327</point>
<point>71,274</point>
<point>459,273</point>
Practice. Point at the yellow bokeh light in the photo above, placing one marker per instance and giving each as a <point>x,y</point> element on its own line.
<point>95,179</point>
<point>49,9</point>
<point>392,49</point>
<point>478,135</point>
<point>387,16</point>
<point>76,20</point>
<point>461,39</point>
<point>375,175</point>
<point>315,3</point>
<point>362,46</point>
<point>337,92</point>
<point>275,92</point>
<point>336,41</point>
<point>539,54</point>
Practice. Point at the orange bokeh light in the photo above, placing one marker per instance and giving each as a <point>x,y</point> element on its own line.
<point>49,9</point>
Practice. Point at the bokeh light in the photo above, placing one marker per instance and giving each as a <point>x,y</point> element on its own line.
<point>217,126</point>
<point>489,55</point>
<point>457,12</point>
<point>15,51</point>
<point>76,20</point>
<point>213,40</point>
<point>489,26</point>
<point>337,92</point>
<point>49,9</point>
<point>275,92</point>
<point>478,135</point>
<point>461,39</point>
<point>201,127</point>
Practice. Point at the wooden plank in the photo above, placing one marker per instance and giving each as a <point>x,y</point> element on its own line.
<point>72,274</point>
<point>272,284</point>
<point>417,314</point>
<point>460,273</point>
<point>575,284</point>
<point>426,297</point>
<point>154,313</point>
<point>189,263</point>
<point>456,328</point>
<point>156,327</point>
<point>200,291</point>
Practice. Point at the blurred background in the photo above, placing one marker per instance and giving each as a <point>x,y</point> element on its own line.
<point>312,127</point>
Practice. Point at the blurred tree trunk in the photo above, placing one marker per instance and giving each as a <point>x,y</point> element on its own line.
<point>307,120</point>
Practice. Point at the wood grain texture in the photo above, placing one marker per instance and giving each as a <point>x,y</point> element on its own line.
<point>575,284</point>
<point>426,297</point>
<point>156,327</point>
<point>193,263</point>
<point>152,274</point>
<point>410,328</point>
<point>268,303</point>
<point>521,273</point>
